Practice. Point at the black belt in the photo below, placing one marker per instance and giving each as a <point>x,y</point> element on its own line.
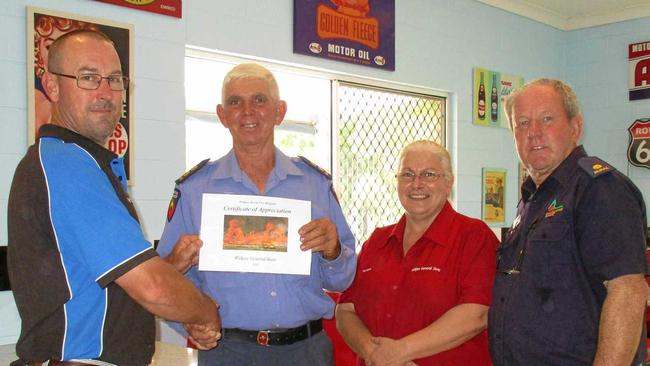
<point>275,337</point>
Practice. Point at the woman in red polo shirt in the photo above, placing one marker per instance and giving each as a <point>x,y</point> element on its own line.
<point>422,286</point>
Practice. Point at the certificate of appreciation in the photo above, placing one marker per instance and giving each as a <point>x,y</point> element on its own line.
<point>258,234</point>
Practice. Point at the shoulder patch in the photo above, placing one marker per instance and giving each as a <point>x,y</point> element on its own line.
<point>194,169</point>
<point>322,172</point>
<point>173,203</point>
<point>594,167</point>
<point>315,167</point>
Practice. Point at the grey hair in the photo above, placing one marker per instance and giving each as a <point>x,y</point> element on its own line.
<point>251,71</point>
<point>436,149</point>
<point>569,98</point>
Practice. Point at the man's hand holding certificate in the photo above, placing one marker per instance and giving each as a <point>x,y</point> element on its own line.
<point>320,236</point>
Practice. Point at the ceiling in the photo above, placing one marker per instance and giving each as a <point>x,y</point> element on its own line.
<point>575,14</point>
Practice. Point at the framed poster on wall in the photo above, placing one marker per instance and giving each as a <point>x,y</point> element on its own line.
<point>494,196</point>
<point>359,32</point>
<point>490,91</point>
<point>43,28</point>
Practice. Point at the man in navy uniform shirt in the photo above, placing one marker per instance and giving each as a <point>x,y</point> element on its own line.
<point>570,287</point>
<point>268,319</point>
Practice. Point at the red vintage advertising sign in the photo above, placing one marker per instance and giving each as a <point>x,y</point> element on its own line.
<point>172,8</point>
<point>638,151</point>
<point>639,70</point>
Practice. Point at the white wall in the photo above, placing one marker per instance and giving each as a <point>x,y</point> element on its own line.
<point>596,65</point>
<point>437,45</point>
<point>438,42</point>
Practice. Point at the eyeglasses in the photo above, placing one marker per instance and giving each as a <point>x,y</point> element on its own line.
<point>427,176</point>
<point>92,81</point>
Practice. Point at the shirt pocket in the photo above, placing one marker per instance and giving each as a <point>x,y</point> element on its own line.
<point>370,284</point>
<point>556,292</point>
<point>552,252</point>
<point>435,290</point>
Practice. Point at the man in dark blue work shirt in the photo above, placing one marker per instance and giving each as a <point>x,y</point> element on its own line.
<point>570,287</point>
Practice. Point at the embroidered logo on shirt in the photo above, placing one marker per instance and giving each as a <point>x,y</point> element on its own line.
<point>553,208</point>
<point>594,167</point>
<point>417,269</point>
<point>598,168</point>
<point>366,270</point>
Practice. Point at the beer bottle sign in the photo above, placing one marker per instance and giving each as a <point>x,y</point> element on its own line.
<point>490,89</point>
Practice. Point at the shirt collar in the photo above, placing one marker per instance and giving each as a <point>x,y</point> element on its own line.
<point>229,167</point>
<point>100,153</point>
<point>438,232</point>
<point>566,170</point>
<point>561,175</point>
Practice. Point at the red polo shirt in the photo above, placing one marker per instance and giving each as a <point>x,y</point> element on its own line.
<point>452,263</point>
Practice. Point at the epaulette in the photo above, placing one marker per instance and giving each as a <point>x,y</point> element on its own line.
<point>315,167</point>
<point>189,173</point>
<point>594,166</point>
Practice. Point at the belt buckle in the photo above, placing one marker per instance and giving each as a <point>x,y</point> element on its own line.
<point>262,338</point>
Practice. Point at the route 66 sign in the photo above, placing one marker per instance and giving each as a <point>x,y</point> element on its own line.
<point>638,151</point>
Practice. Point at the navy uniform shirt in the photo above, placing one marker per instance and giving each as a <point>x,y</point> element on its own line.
<point>583,225</point>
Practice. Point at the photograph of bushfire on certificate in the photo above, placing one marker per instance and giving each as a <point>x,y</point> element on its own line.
<point>262,233</point>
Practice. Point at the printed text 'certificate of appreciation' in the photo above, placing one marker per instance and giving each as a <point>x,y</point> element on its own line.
<point>253,234</point>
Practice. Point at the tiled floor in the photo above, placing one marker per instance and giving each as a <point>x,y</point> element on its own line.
<point>166,355</point>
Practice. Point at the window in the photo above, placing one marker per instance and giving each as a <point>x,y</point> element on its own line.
<point>350,126</point>
<point>373,125</point>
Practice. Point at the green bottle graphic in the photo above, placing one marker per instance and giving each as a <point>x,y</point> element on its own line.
<point>494,98</point>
